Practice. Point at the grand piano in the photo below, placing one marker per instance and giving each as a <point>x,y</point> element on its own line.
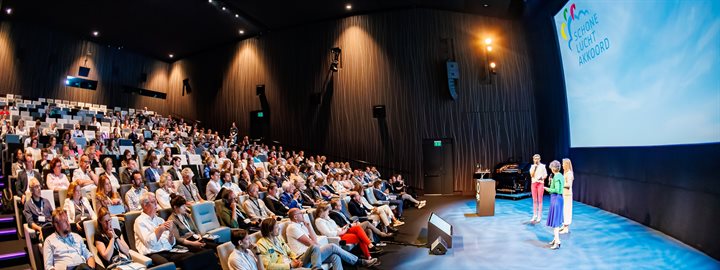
<point>513,179</point>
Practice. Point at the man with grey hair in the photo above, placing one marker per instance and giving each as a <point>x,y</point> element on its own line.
<point>254,207</point>
<point>155,237</point>
<point>187,189</point>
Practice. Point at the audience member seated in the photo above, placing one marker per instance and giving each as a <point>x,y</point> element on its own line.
<point>301,239</point>
<point>176,170</point>
<point>187,233</point>
<point>337,215</point>
<point>229,213</point>
<point>106,197</point>
<point>78,208</point>
<point>37,210</point>
<point>152,173</point>
<point>397,187</point>
<point>112,250</point>
<point>23,179</point>
<point>132,197</point>
<point>126,176</point>
<point>65,249</point>
<point>213,186</point>
<point>357,208</point>
<point>227,182</point>
<point>84,176</point>
<point>165,189</point>
<point>291,197</point>
<point>56,180</point>
<point>351,234</point>
<point>107,164</point>
<point>254,207</point>
<point>188,189</point>
<point>68,158</point>
<point>155,239</point>
<point>126,158</point>
<point>242,258</point>
<point>93,157</point>
<point>272,202</point>
<point>381,196</point>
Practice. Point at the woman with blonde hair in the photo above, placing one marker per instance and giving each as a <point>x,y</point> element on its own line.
<point>569,175</point>
<point>78,208</point>
<point>165,188</point>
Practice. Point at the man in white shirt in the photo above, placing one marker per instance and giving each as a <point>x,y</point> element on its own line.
<point>84,176</point>
<point>301,236</point>
<point>538,173</point>
<point>64,249</point>
<point>213,186</point>
<point>154,237</point>
<point>132,197</point>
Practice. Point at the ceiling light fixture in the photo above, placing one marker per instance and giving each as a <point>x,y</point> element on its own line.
<point>348,6</point>
<point>241,31</point>
<point>486,5</point>
<point>95,33</point>
<point>210,1</point>
<point>237,16</point>
<point>171,55</point>
<point>8,11</point>
<point>223,8</point>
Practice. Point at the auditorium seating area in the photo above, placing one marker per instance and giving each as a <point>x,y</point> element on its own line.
<point>88,145</point>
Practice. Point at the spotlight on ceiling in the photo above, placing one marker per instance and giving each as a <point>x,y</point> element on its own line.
<point>348,6</point>
<point>488,41</point>
<point>486,5</point>
<point>95,33</point>
<point>8,11</point>
<point>237,16</point>
<point>171,55</point>
<point>224,8</point>
<point>241,31</point>
<point>210,1</point>
<point>489,48</point>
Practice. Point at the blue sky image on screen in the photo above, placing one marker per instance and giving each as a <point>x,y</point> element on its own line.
<point>641,72</point>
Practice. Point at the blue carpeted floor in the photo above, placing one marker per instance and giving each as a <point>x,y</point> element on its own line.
<point>598,240</point>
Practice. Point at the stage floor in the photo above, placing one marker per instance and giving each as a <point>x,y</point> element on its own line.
<point>598,240</point>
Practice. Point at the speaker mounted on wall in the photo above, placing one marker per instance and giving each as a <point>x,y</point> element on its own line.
<point>379,111</point>
<point>83,71</point>
<point>260,89</point>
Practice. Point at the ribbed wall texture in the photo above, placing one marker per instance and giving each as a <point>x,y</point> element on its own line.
<point>396,59</point>
<point>34,62</point>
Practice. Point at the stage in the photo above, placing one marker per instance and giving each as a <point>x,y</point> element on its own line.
<point>598,240</point>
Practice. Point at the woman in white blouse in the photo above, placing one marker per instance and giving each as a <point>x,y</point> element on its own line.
<point>242,258</point>
<point>352,234</point>
<point>108,166</point>
<point>167,187</point>
<point>567,194</point>
<point>56,180</point>
<point>78,208</point>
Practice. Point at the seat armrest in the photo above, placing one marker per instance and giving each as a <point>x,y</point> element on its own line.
<point>139,258</point>
<point>223,234</point>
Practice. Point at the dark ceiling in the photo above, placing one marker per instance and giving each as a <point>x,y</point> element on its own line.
<point>158,28</point>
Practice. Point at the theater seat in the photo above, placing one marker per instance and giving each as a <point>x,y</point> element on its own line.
<point>207,222</point>
<point>130,218</point>
<point>90,228</point>
<point>224,252</point>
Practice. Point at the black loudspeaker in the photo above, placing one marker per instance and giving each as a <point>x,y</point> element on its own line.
<point>438,247</point>
<point>379,111</point>
<point>186,87</point>
<point>260,89</point>
<point>83,71</point>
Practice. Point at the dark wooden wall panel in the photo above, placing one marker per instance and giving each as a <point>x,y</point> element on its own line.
<point>34,62</point>
<point>395,59</point>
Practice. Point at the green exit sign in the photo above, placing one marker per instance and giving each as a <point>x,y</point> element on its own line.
<point>260,114</point>
<point>437,143</point>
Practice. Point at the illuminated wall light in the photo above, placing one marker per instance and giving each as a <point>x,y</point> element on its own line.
<point>348,6</point>
<point>488,41</point>
<point>210,1</point>
<point>492,65</point>
<point>489,48</point>
<point>237,16</point>
<point>241,31</point>
<point>8,11</point>
<point>171,55</point>
<point>223,8</point>
<point>95,33</point>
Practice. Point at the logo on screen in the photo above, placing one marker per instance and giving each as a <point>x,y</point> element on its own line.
<point>580,31</point>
